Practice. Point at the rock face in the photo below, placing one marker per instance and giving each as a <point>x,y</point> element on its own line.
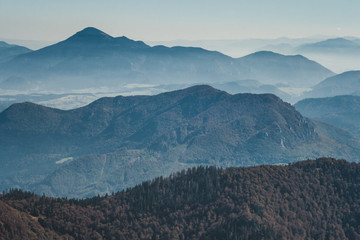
<point>94,59</point>
<point>118,142</point>
<point>339,111</point>
<point>296,201</point>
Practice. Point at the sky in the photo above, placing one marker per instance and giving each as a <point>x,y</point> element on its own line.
<point>165,20</point>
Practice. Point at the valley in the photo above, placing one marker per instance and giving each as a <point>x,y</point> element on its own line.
<point>144,120</point>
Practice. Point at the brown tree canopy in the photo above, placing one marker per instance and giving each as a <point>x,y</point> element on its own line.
<point>314,199</point>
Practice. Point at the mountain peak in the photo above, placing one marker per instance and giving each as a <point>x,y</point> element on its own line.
<point>93,36</point>
<point>90,34</point>
<point>264,54</point>
<point>201,88</point>
<point>331,43</point>
<point>273,55</point>
<point>91,30</point>
<point>338,42</point>
<point>4,44</point>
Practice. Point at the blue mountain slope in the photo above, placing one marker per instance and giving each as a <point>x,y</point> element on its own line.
<point>93,58</point>
<point>8,51</point>
<point>347,83</point>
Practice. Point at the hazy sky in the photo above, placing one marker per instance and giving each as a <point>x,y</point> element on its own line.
<point>52,20</point>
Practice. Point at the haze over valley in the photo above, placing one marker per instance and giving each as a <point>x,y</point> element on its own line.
<point>91,64</point>
<point>118,83</point>
<point>188,120</point>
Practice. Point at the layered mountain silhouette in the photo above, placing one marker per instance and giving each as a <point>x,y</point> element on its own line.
<point>315,199</point>
<point>293,70</point>
<point>347,83</point>
<point>340,111</point>
<point>331,46</point>
<point>115,143</point>
<point>73,100</point>
<point>9,51</point>
<point>251,86</point>
<point>93,58</point>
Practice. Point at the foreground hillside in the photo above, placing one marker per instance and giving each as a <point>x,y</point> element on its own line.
<point>314,199</point>
<point>116,143</point>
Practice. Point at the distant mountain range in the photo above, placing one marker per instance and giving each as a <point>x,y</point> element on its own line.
<point>340,111</point>
<point>314,199</point>
<point>71,100</point>
<point>118,142</point>
<point>338,54</point>
<point>8,51</point>
<point>331,46</point>
<point>347,83</point>
<point>91,58</point>
<point>251,86</point>
<point>293,70</point>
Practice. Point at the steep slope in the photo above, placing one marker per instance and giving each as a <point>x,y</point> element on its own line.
<point>347,83</point>
<point>314,199</point>
<point>95,59</point>
<point>8,51</point>
<point>15,224</point>
<point>270,67</point>
<point>340,111</point>
<point>118,142</point>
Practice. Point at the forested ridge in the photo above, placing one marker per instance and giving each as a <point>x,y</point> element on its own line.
<point>115,143</point>
<point>314,199</point>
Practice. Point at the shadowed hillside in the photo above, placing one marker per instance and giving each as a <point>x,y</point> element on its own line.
<point>340,111</point>
<point>115,143</point>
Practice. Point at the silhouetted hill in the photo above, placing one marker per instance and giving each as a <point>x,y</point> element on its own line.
<point>88,42</point>
<point>340,111</point>
<point>96,38</point>
<point>295,70</point>
<point>251,86</point>
<point>347,83</point>
<point>115,143</point>
<point>331,46</point>
<point>8,51</point>
<point>314,199</point>
<point>93,58</point>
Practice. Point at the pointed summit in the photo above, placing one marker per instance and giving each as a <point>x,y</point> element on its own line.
<point>90,34</point>
<point>91,31</point>
<point>93,36</point>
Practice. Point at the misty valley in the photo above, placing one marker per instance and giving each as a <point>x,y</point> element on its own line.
<point>106,137</point>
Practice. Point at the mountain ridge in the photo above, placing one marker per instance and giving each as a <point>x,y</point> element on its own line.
<point>10,51</point>
<point>332,43</point>
<point>141,137</point>
<point>341,111</point>
<point>345,83</point>
<point>90,55</point>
